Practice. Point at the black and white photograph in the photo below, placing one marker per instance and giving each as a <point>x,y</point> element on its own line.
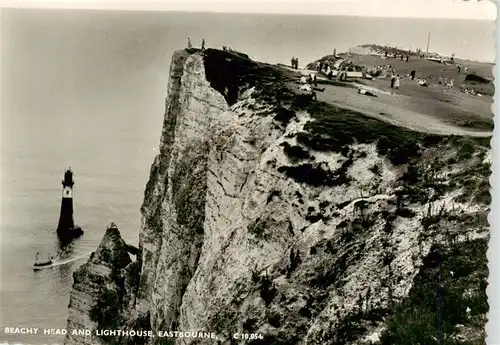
<point>247,173</point>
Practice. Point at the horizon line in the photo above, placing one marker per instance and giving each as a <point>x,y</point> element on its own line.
<point>416,9</point>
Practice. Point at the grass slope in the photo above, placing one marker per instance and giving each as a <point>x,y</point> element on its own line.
<point>451,280</point>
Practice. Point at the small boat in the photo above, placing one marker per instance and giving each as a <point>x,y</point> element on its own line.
<point>38,265</point>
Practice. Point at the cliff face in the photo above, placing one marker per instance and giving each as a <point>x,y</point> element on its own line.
<point>267,213</point>
<point>174,205</point>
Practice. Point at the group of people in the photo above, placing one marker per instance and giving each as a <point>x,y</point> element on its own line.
<point>324,66</point>
<point>306,84</point>
<point>190,45</point>
<point>319,65</point>
<point>382,70</point>
<point>310,79</point>
<point>327,67</point>
<point>470,91</point>
<point>395,81</point>
<point>444,81</point>
<point>342,74</point>
<point>395,55</point>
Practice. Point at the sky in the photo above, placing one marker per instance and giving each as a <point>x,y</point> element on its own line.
<point>459,9</point>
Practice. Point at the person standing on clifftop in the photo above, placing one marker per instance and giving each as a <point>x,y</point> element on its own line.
<point>396,82</point>
<point>412,74</point>
<point>189,43</point>
<point>202,44</point>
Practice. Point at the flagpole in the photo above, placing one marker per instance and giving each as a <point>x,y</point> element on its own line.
<point>428,40</point>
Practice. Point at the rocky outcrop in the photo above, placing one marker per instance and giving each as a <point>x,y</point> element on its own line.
<point>102,287</point>
<point>291,221</point>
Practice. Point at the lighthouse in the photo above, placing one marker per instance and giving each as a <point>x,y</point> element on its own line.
<point>66,230</point>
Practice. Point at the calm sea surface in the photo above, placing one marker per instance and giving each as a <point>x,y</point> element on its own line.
<point>86,90</point>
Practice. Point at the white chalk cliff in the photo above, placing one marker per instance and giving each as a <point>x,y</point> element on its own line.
<point>248,229</point>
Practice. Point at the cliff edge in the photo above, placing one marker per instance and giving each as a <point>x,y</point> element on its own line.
<point>293,221</point>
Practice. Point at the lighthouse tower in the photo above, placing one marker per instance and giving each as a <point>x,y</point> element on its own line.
<point>66,228</point>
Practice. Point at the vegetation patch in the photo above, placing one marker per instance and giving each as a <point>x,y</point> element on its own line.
<point>259,228</point>
<point>421,184</point>
<point>466,151</point>
<point>274,193</point>
<point>231,73</point>
<point>267,290</point>
<point>376,169</point>
<point>315,175</point>
<point>284,115</point>
<point>295,152</point>
<point>476,78</point>
<point>224,321</point>
<point>274,320</point>
<point>449,290</point>
<point>476,191</point>
<point>438,300</point>
<point>349,328</point>
<point>332,129</point>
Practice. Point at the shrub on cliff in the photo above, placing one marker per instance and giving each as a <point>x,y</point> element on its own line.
<point>295,152</point>
<point>315,175</point>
